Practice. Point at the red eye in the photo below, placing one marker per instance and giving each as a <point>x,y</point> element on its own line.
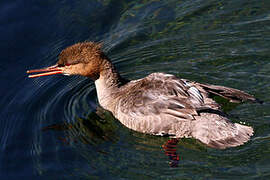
<point>67,64</point>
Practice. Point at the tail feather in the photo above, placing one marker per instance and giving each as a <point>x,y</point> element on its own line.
<point>218,132</point>
<point>234,95</point>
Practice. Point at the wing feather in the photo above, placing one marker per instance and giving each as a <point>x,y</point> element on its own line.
<point>158,101</point>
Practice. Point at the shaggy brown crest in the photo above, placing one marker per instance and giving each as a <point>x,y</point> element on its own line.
<point>80,53</point>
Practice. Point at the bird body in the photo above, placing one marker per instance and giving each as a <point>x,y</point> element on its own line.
<point>159,104</point>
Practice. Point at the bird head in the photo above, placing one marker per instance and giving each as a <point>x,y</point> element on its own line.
<point>83,59</point>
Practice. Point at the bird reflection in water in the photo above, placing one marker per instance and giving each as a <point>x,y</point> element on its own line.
<point>98,127</point>
<point>94,129</point>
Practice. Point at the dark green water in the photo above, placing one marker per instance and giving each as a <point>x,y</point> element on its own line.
<point>48,126</point>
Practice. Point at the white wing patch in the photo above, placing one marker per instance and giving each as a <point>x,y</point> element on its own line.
<point>194,92</point>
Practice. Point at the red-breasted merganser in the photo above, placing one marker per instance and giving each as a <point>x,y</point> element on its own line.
<point>159,104</point>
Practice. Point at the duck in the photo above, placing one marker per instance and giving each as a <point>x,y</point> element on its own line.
<point>159,104</point>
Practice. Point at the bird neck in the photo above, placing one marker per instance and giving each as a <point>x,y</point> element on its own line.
<point>109,75</point>
<point>108,84</point>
